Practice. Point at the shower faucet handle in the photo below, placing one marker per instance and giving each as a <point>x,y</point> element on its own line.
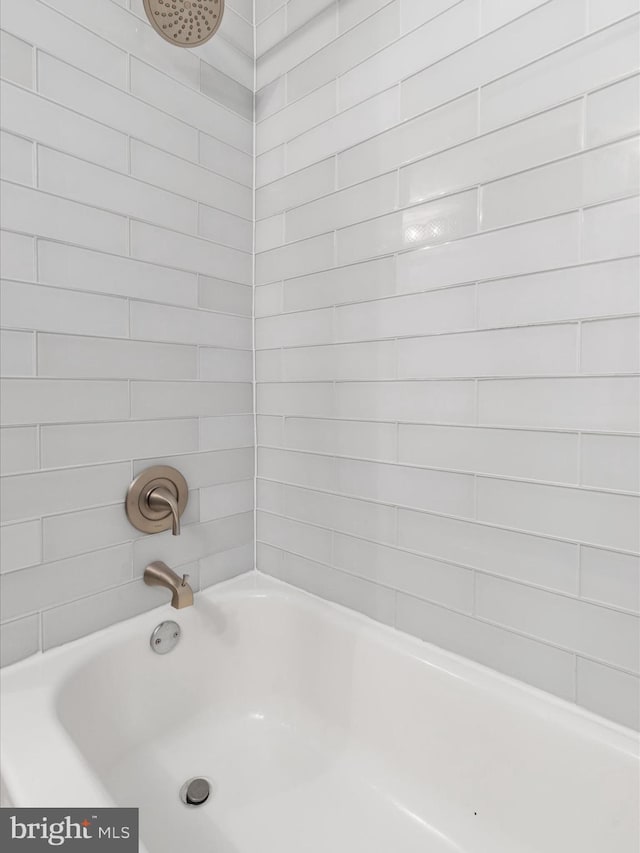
<point>156,499</point>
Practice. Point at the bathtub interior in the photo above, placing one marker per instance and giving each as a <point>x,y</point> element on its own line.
<point>303,715</point>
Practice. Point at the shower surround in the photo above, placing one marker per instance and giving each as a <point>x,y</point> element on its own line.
<point>446,268</point>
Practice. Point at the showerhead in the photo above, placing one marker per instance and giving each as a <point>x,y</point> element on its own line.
<point>186,23</point>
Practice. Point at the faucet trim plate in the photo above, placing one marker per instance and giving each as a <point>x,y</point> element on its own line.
<point>156,499</point>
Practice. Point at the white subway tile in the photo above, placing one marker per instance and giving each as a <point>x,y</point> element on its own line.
<point>296,189</point>
<point>414,13</point>
<point>552,134</point>
<point>436,130</point>
<point>302,469</point>
<point>536,246</point>
<point>222,365</point>
<point>494,55</point>
<point>611,346</point>
<point>604,634</point>
<point>226,160</point>
<point>45,586</point>
<point>344,130</point>
<point>375,601</point>
<point>608,692</point>
<point>71,266</point>
<point>227,296</point>
<point>271,31</point>
<point>296,118</point>
<point>520,556</point>
<point>17,353</point>
<point>29,210</point>
<point>613,112</point>
<point>301,258</point>
<point>535,350</point>
<point>304,327</point>
<point>367,280</point>
<point>496,13</point>
<point>17,254</point>
<point>437,38</point>
<point>121,111</point>
<point>70,534</point>
<point>269,233</point>
<point>345,52</point>
<point>422,313</point>
<point>581,403</point>
<point>16,60</point>
<point>61,36</point>
<point>343,208</point>
<point>51,309</point>
<point>20,638</point>
<point>296,47</point>
<point>271,99</point>
<point>303,539</point>
<point>188,326</point>
<point>270,166</point>
<point>348,515</point>
<point>226,564</point>
<point>80,357</point>
<point>160,246</point>
<point>32,401</point>
<point>610,578</point>
<point>440,221</point>
<point>438,491</point>
<point>590,178</point>
<point>579,68</point>
<point>583,291</point>
<point>598,518</point>
<point>514,453</point>
<point>226,91</point>
<point>189,399</point>
<point>441,583</point>
<point>17,159</point>
<point>52,124</point>
<point>33,495</point>
<point>191,107</point>
<point>342,438</point>
<point>439,402</point>
<point>520,657</point>
<point>351,12</point>
<point>611,230</point>
<point>349,361</point>
<point>78,618</point>
<point>605,12</point>
<point>313,399</point>
<point>20,545</point>
<point>18,450</point>
<point>195,542</point>
<point>226,499</point>
<point>207,469</point>
<point>220,432</point>
<point>611,462</point>
<point>80,181</point>
<point>87,444</point>
<point>222,227</point>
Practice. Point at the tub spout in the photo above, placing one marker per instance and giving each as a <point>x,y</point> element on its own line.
<point>159,574</point>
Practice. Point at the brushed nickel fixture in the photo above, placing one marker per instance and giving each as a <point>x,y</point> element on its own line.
<point>195,792</point>
<point>159,574</point>
<point>156,499</point>
<point>186,23</point>
<point>165,637</point>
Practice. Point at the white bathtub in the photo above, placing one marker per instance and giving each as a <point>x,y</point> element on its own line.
<point>322,732</point>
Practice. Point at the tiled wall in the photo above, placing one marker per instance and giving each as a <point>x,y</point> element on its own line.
<point>128,174</point>
<point>447,325</point>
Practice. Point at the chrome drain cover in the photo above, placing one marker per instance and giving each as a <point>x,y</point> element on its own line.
<point>196,791</point>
